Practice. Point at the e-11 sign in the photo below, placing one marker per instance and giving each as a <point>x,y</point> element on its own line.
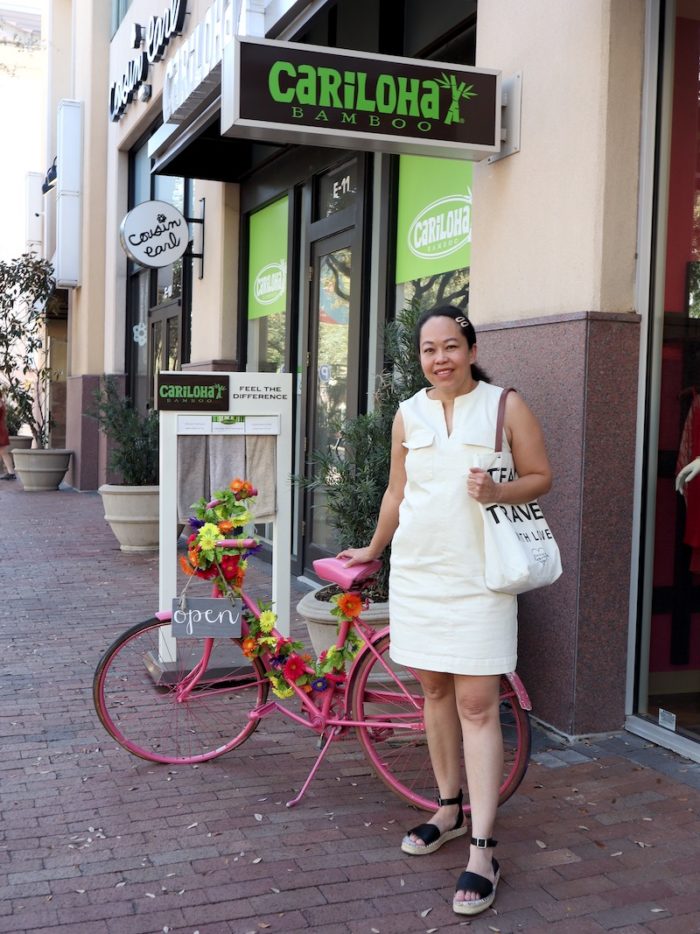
<point>204,617</point>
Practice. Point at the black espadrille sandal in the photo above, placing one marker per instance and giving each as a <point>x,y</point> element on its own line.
<point>430,833</point>
<point>473,882</point>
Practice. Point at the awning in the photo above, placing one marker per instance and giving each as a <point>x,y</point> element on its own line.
<point>197,150</point>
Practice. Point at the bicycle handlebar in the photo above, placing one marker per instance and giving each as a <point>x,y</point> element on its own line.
<point>237,543</point>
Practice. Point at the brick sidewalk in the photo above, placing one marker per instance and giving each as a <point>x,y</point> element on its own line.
<point>600,837</point>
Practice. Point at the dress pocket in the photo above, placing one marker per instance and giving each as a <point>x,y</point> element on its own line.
<point>420,456</point>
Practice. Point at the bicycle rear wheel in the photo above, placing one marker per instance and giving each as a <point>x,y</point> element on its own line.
<point>389,697</point>
<point>135,691</point>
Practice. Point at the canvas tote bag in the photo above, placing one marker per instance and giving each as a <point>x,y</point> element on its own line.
<point>521,553</point>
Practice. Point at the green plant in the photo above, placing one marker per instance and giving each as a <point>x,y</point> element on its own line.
<point>26,287</point>
<point>134,436</point>
<point>14,417</point>
<point>354,471</point>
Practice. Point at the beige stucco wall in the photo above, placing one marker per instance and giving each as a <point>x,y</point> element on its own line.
<point>59,84</point>
<point>214,298</point>
<point>555,225</point>
<point>90,32</point>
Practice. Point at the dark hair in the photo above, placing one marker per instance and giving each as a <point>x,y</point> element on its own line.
<point>465,326</point>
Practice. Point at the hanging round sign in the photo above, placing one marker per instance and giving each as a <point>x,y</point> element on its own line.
<point>154,234</point>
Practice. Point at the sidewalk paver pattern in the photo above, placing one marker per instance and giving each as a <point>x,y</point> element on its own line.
<point>602,836</point>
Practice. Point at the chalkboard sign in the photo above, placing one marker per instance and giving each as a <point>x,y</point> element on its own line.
<point>200,617</point>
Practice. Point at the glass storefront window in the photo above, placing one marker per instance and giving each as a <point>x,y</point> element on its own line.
<point>332,306</point>
<point>336,190</point>
<point>670,678</point>
<point>139,335</point>
<point>267,287</point>
<point>433,234</point>
<point>119,8</point>
<point>155,316</point>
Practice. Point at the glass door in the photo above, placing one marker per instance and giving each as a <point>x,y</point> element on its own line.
<point>331,374</point>
<point>669,679</point>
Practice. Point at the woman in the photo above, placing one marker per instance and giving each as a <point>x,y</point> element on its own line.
<point>5,441</point>
<point>456,634</point>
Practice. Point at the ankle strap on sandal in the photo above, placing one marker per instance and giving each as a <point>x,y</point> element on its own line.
<point>458,800</point>
<point>483,843</point>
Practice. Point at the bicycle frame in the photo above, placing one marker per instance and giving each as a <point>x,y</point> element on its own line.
<point>317,710</point>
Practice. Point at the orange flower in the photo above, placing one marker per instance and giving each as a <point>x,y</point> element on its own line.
<point>350,604</point>
<point>186,567</point>
<point>236,485</point>
<point>249,646</point>
<point>225,526</point>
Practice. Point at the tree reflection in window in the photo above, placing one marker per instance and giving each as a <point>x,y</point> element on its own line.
<point>447,288</point>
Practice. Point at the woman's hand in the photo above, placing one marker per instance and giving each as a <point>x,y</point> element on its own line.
<point>481,487</point>
<point>357,555</point>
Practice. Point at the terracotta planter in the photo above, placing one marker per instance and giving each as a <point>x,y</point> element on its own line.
<point>133,515</point>
<point>39,469</point>
<point>323,628</point>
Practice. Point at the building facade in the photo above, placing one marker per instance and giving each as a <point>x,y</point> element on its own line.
<point>576,255</point>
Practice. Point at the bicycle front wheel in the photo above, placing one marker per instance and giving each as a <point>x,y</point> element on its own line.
<point>136,696</point>
<point>388,699</point>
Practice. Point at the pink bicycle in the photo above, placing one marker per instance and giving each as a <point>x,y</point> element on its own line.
<point>176,705</point>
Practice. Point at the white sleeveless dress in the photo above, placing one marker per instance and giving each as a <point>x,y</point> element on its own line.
<point>442,615</point>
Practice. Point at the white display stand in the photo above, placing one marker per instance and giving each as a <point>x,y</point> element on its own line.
<point>259,403</point>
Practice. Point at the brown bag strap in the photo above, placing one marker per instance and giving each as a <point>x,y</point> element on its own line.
<point>498,446</point>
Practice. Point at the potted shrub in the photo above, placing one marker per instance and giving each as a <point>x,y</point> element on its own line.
<point>132,506</point>
<point>15,423</point>
<point>353,474</point>
<point>26,288</point>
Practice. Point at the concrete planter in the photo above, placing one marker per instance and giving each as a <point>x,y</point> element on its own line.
<point>133,515</point>
<point>20,442</point>
<point>323,628</point>
<point>39,469</point>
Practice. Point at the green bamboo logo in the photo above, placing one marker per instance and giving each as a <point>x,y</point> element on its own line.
<point>460,91</point>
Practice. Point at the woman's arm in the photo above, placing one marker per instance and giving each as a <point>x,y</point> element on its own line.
<point>388,520</point>
<point>529,455</point>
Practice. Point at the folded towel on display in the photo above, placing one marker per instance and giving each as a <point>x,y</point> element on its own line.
<point>192,473</point>
<point>226,460</point>
<point>261,470</point>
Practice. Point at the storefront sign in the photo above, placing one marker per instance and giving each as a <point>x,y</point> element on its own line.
<point>156,37</point>
<point>154,234</point>
<point>194,71</point>
<point>267,264</point>
<point>162,28</point>
<point>192,392</point>
<point>206,617</point>
<point>293,93</point>
<point>434,224</point>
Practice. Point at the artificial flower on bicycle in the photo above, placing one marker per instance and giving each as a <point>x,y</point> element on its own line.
<point>288,660</point>
<point>225,515</point>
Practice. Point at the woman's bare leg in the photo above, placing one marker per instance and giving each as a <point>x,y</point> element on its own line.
<point>478,708</point>
<point>7,459</point>
<point>443,730</point>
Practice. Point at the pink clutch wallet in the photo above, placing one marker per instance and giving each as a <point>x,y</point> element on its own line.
<point>336,570</point>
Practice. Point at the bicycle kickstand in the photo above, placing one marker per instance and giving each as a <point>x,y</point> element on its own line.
<point>327,745</point>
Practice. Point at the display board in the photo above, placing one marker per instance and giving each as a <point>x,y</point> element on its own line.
<point>206,420</point>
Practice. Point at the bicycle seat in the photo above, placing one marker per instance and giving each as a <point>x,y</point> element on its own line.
<point>336,571</point>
